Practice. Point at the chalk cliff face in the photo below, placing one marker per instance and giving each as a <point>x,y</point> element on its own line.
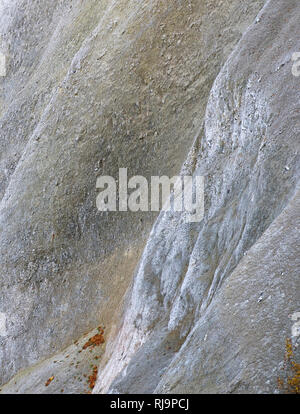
<point>158,87</point>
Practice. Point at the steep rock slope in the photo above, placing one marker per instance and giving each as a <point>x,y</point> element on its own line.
<point>210,304</point>
<point>91,86</point>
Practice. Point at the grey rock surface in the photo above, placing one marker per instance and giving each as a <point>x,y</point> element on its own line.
<point>91,87</point>
<point>205,87</point>
<point>193,282</point>
<point>238,345</point>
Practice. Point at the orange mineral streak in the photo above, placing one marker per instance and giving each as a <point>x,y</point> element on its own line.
<point>96,340</point>
<point>291,383</point>
<point>93,378</point>
<point>48,382</point>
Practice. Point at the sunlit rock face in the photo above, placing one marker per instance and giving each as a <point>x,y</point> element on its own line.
<point>158,87</point>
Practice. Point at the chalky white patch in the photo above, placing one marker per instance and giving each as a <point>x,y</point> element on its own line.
<point>2,324</point>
